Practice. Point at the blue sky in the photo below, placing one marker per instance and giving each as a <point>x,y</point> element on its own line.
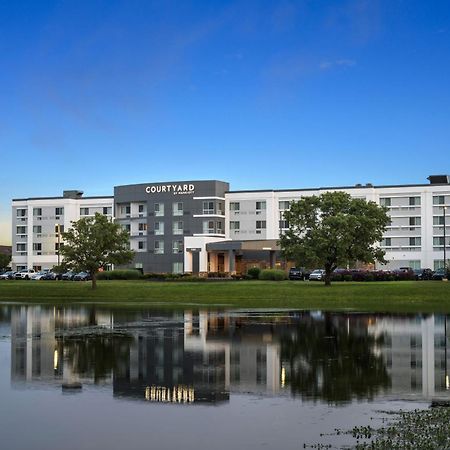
<point>262,94</point>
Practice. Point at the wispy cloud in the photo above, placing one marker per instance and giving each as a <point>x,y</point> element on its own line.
<point>327,65</point>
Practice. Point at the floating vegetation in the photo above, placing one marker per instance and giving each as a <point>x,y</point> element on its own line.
<point>406,430</point>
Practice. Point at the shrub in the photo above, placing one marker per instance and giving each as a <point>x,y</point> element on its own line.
<point>369,277</point>
<point>272,274</point>
<point>254,272</point>
<point>120,275</point>
<point>347,277</point>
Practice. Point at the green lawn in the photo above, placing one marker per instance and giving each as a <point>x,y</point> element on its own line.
<point>406,296</point>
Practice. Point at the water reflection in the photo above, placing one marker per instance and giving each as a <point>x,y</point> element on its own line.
<point>192,357</point>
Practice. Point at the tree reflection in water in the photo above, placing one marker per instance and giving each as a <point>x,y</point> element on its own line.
<point>328,360</point>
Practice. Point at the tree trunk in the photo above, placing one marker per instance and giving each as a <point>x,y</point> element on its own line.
<point>94,280</point>
<point>327,275</point>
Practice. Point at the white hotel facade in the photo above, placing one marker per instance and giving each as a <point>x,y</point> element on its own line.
<point>214,229</point>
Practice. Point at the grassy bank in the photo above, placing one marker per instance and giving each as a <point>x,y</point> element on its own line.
<point>380,296</point>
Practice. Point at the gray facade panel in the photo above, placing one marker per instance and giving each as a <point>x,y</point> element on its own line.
<point>168,193</point>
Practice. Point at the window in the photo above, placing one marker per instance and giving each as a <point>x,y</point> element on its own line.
<point>177,247</point>
<point>159,247</point>
<point>141,208</point>
<point>385,201</point>
<point>177,227</point>
<point>220,208</point>
<point>22,212</point>
<point>283,224</point>
<point>283,205</point>
<point>141,245</point>
<point>414,221</point>
<point>208,208</point>
<point>159,209</point>
<point>235,206</point>
<point>107,210</point>
<point>386,242</point>
<point>438,241</point>
<point>438,200</point>
<point>84,211</point>
<point>37,246</point>
<point>260,224</point>
<point>415,241</point>
<point>21,247</point>
<point>260,205</point>
<point>415,264</point>
<point>22,230</point>
<point>59,211</point>
<point>37,211</point>
<point>219,227</point>
<point>234,225</point>
<point>142,226</point>
<point>438,220</point>
<point>125,210</point>
<point>159,228</point>
<point>208,227</point>
<point>414,201</point>
<point>58,246</point>
<point>177,267</point>
<point>59,228</point>
<point>438,264</point>
<point>127,227</point>
<point>177,209</point>
<point>37,229</point>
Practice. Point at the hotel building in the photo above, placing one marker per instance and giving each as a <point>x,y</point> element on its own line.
<point>203,226</point>
<point>38,222</point>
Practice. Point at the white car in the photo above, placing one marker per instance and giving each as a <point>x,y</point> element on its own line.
<point>317,275</point>
<point>25,274</point>
<point>38,275</point>
<point>7,275</point>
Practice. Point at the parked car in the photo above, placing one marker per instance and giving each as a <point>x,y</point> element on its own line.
<point>423,274</point>
<point>298,273</point>
<point>439,274</point>
<point>7,275</point>
<point>68,275</point>
<point>38,275</point>
<point>317,275</point>
<point>51,276</point>
<point>24,274</point>
<point>82,276</point>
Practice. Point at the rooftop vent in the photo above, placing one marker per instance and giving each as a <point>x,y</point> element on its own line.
<point>439,179</point>
<point>72,194</point>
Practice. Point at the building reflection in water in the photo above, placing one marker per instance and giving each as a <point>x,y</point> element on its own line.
<point>205,356</point>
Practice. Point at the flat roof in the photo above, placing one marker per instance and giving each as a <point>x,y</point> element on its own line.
<point>171,182</point>
<point>62,198</point>
<point>362,186</point>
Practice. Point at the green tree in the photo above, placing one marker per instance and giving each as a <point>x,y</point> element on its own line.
<point>93,243</point>
<point>333,229</point>
<point>4,261</point>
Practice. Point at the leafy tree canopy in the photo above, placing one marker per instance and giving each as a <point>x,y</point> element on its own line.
<point>93,243</point>
<point>4,261</point>
<point>333,229</point>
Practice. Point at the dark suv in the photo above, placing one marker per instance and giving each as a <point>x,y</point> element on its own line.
<point>298,274</point>
<point>423,274</point>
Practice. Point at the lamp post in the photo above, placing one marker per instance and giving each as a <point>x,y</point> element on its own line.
<point>444,208</point>
<point>59,241</point>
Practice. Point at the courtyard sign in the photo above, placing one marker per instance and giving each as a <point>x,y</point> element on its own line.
<point>176,189</point>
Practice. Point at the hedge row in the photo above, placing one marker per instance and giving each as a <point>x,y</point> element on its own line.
<point>379,275</point>
<point>120,275</point>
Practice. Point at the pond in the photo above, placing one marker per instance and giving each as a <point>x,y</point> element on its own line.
<point>91,377</point>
